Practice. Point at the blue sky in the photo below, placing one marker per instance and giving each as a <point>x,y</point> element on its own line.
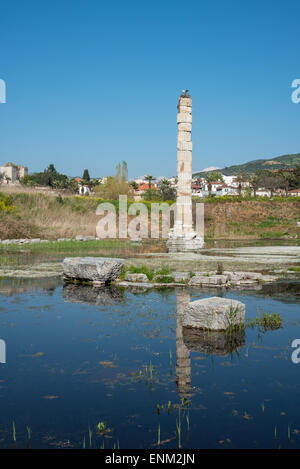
<point>91,83</point>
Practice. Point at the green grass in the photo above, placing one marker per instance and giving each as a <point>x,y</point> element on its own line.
<point>66,245</point>
<point>163,273</point>
<point>164,279</point>
<point>273,234</point>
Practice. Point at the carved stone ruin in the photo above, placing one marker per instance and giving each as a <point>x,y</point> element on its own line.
<point>183,237</point>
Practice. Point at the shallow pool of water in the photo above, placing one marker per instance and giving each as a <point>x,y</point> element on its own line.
<point>77,356</point>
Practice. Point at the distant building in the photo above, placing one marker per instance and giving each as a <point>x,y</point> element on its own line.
<point>295,192</point>
<point>84,190</point>
<point>142,188</point>
<point>11,173</point>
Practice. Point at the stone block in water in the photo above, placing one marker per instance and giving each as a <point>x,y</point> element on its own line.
<point>101,270</point>
<point>214,314</point>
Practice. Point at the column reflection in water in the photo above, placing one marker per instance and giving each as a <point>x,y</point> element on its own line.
<point>183,360</point>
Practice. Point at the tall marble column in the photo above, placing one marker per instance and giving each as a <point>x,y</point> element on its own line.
<point>183,222</point>
<point>183,237</point>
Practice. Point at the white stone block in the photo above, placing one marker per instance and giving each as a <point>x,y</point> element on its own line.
<point>185,101</point>
<point>184,146</point>
<point>185,109</point>
<point>184,127</point>
<point>184,117</point>
<point>214,313</point>
<point>184,136</point>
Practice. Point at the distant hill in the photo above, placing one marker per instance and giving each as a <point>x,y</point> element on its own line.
<point>280,162</point>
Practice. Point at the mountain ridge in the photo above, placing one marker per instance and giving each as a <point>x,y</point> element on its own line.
<point>279,162</point>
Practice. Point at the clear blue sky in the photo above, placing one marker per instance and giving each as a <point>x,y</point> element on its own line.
<point>91,83</point>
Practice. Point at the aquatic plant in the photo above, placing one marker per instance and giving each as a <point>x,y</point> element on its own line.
<point>14,432</point>
<point>269,321</point>
<point>232,316</point>
<point>158,435</point>
<point>101,428</point>
<point>90,436</point>
<point>151,368</point>
<point>178,427</point>
<point>188,421</point>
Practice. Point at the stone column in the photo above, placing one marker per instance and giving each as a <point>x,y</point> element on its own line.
<point>182,236</point>
<point>183,217</point>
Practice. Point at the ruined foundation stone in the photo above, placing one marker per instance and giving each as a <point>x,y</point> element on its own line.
<point>214,314</point>
<point>136,277</point>
<point>101,270</point>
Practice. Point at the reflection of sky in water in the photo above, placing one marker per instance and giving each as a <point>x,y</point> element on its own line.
<point>71,364</point>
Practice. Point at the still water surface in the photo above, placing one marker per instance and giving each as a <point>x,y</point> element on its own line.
<point>77,356</point>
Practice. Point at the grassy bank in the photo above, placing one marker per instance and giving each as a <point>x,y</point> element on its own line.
<point>52,216</point>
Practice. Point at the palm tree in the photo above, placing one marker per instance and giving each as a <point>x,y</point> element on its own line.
<point>149,178</point>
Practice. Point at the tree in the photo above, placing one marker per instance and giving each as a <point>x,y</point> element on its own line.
<point>213,177</point>
<point>241,179</point>
<point>254,184</point>
<point>134,185</point>
<point>112,188</point>
<point>270,180</point>
<point>149,178</point>
<point>166,191</point>
<point>124,171</point>
<point>50,174</point>
<point>86,175</point>
<point>288,180</point>
<point>151,194</point>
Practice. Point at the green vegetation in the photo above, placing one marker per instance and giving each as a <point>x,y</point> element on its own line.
<point>101,428</point>
<point>269,321</point>
<point>233,320</point>
<point>14,432</point>
<point>69,246</point>
<point>50,177</point>
<point>266,321</point>
<point>6,205</point>
<point>161,276</point>
<point>31,214</point>
<point>164,279</point>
